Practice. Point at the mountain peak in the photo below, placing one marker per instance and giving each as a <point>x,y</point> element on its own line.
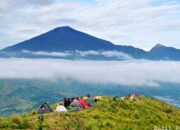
<point>63,28</point>
<point>157,46</point>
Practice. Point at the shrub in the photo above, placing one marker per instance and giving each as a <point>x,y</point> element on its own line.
<point>32,113</point>
<point>3,123</point>
<point>18,122</point>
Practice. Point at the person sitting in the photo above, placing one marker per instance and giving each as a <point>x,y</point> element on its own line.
<point>65,102</point>
<point>68,102</point>
<point>71,100</point>
<point>88,95</point>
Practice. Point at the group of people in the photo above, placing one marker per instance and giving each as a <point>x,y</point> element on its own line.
<point>75,103</point>
<point>132,97</point>
<point>79,103</point>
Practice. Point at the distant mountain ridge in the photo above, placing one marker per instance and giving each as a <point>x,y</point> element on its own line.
<point>162,52</point>
<point>65,38</point>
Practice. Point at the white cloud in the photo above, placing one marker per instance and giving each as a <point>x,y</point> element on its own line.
<point>43,53</point>
<point>87,53</point>
<point>116,54</point>
<point>137,23</point>
<point>59,54</point>
<point>131,72</point>
<point>112,54</point>
<point>3,4</point>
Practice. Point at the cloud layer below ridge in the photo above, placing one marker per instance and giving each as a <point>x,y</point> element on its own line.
<point>107,54</point>
<point>129,72</point>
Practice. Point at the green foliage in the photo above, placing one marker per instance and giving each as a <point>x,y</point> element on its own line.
<point>105,115</point>
<point>3,123</point>
<point>18,122</point>
<point>32,113</point>
<point>40,124</point>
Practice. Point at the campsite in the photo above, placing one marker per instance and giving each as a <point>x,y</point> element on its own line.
<point>130,112</point>
<point>76,104</point>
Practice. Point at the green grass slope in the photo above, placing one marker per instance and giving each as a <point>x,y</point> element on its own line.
<point>108,114</point>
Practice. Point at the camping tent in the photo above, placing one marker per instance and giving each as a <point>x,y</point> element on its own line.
<point>89,101</point>
<point>44,108</point>
<point>83,103</point>
<point>85,98</point>
<point>61,108</point>
<point>75,106</point>
<point>99,98</point>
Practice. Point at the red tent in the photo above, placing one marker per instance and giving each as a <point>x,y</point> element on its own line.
<point>83,103</point>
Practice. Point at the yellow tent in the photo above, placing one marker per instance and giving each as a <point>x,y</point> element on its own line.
<point>98,98</point>
<point>132,98</point>
<point>84,98</point>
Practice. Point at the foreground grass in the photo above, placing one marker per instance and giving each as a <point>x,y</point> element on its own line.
<point>109,114</point>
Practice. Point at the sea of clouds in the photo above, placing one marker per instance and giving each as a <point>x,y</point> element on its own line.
<point>127,72</point>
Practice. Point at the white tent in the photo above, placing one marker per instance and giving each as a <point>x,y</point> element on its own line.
<point>61,108</point>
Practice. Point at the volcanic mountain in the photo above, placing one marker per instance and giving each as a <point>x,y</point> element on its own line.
<point>63,39</point>
<point>68,39</point>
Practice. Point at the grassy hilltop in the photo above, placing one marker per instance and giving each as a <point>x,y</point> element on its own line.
<point>22,95</point>
<point>108,114</point>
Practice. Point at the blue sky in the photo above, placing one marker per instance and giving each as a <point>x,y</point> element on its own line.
<point>140,23</point>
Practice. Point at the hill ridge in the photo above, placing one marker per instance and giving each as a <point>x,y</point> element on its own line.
<point>109,113</point>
